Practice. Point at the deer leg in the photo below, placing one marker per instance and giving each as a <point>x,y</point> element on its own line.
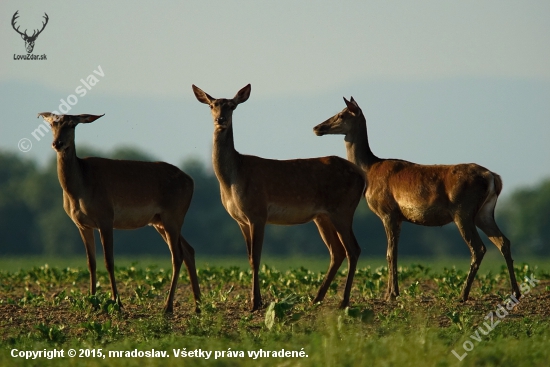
<point>106,234</point>
<point>393,230</point>
<point>254,256</point>
<point>336,250</point>
<point>87,235</point>
<point>172,238</point>
<point>348,240</point>
<point>470,235</point>
<point>162,233</point>
<point>246,231</point>
<point>486,222</point>
<point>189,259</point>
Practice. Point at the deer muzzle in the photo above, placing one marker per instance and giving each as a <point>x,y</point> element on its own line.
<point>320,129</point>
<point>56,145</point>
<point>222,121</point>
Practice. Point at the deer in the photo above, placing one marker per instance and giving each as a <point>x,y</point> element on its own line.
<point>427,195</point>
<point>258,191</point>
<point>29,40</point>
<point>107,194</point>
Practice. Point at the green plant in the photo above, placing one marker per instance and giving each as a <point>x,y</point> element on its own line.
<point>100,330</point>
<point>50,333</point>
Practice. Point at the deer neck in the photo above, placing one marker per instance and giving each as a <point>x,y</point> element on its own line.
<point>69,171</point>
<point>225,159</point>
<point>357,145</point>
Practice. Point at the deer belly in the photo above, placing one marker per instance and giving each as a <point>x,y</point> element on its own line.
<point>425,215</point>
<point>288,215</point>
<point>134,217</point>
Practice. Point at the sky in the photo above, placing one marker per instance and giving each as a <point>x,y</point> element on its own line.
<point>439,82</point>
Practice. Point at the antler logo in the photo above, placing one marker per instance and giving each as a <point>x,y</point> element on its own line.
<point>29,40</point>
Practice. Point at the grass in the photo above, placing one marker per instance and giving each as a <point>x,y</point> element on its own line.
<point>43,308</point>
<point>492,262</point>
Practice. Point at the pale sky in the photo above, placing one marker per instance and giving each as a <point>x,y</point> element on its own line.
<point>439,82</point>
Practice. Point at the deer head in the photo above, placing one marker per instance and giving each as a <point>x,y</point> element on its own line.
<point>341,123</point>
<point>63,126</point>
<point>29,40</point>
<point>222,109</point>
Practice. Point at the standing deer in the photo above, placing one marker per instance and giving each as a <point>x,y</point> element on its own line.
<point>29,40</point>
<point>104,194</point>
<point>257,191</point>
<point>428,195</point>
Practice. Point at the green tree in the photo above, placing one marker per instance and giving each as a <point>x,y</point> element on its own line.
<point>132,154</point>
<point>33,221</point>
<point>526,218</point>
<point>18,227</point>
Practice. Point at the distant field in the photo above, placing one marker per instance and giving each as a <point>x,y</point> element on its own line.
<point>493,262</point>
<point>48,308</point>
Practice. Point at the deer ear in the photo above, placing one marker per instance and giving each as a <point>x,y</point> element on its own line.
<point>84,119</point>
<point>349,104</point>
<point>243,94</point>
<point>202,96</point>
<point>353,106</point>
<point>50,117</point>
<point>355,103</point>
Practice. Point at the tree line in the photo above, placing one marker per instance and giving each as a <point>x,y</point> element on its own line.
<point>33,221</point>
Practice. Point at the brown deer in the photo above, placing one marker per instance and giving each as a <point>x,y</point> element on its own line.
<point>257,191</point>
<point>29,40</point>
<point>428,195</point>
<point>103,194</point>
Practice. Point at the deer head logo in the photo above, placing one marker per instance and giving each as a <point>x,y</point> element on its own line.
<point>29,40</point>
